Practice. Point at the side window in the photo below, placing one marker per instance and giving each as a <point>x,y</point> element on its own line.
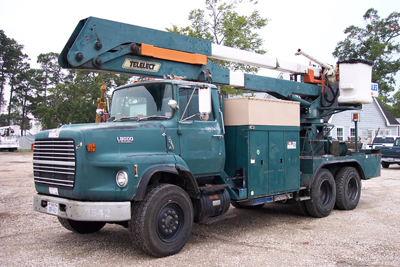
<point>339,133</point>
<point>352,134</point>
<point>191,110</point>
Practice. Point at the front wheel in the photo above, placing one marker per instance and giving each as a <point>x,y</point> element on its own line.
<point>323,194</point>
<point>161,224</point>
<point>81,227</point>
<point>348,188</point>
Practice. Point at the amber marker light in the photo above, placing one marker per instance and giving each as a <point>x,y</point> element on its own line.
<point>355,116</point>
<point>91,147</point>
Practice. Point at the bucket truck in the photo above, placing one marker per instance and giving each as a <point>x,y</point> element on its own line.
<point>174,152</point>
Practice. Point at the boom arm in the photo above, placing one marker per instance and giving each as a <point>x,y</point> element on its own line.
<point>103,45</point>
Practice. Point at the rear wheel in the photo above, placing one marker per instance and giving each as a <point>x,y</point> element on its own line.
<point>162,222</point>
<point>385,164</point>
<point>323,194</point>
<point>81,227</point>
<point>301,208</point>
<point>348,188</point>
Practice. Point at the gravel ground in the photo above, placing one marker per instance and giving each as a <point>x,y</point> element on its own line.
<point>272,236</point>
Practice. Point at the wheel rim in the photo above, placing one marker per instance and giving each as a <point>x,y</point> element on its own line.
<point>352,189</point>
<point>326,194</point>
<point>170,222</point>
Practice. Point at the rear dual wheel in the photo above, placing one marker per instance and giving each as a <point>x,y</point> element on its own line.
<point>348,188</point>
<point>344,191</point>
<point>323,194</point>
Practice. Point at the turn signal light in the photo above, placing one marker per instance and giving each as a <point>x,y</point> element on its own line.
<point>32,146</point>
<point>91,147</point>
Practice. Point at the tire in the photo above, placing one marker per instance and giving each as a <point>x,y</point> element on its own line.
<point>238,206</point>
<point>385,164</point>
<point>348,188</point>
<point>323,194</point>
<point>301,208</point>
<point>161,224</point>
<point>81,227</point>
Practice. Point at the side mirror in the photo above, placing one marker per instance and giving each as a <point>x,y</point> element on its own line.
<point>173,104</point>
<point>204,102</point>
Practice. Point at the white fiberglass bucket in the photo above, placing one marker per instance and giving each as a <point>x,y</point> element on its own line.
<point>355,81</point>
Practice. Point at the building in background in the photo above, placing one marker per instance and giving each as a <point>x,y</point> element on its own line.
<point>373,118</point>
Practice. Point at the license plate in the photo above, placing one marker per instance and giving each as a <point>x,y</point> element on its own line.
<point>52,208</point>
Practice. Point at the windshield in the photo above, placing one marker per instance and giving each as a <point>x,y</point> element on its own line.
<point>149,101</point>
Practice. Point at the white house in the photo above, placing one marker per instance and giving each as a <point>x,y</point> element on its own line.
<point>372,117</point>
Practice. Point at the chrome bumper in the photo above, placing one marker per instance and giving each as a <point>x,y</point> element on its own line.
<point>83,210</point>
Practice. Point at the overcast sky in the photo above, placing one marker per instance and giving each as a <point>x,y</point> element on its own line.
<point>316,27</point>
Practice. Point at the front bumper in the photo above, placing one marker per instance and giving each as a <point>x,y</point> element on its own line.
<point>83,210</point>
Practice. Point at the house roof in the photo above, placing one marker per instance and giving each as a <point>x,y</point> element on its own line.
<point>389,117</point>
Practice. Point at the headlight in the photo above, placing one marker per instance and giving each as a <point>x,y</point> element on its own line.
<point>121,178</point>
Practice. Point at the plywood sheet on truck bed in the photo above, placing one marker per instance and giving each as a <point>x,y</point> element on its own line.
<point>260,111</point>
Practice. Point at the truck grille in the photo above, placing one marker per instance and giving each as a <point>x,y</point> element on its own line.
<point>54,162</point>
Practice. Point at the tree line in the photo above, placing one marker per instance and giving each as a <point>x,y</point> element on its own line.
<point>48,95</point>
<point>53,97</point>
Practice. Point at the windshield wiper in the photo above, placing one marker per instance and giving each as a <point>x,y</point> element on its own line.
<point>125,119</point>
<point>153,117</point>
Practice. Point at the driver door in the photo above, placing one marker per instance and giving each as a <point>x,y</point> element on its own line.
<point>202,144</point>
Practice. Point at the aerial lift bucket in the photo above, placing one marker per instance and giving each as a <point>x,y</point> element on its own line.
<point>355,81</point>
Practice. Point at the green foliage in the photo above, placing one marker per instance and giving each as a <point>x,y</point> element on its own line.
<point>76,101</point>
<point>50,73</point>
<point>8,50</point>
<point>14,119</point>
<point>52,95</point>
<point>23,97</point>
<point>12,62</point>
<point>222,25</point>
<point>376,41</point>
<point>394,108</point>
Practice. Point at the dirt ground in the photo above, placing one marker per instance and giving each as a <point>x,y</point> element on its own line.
<point>273,236</point>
